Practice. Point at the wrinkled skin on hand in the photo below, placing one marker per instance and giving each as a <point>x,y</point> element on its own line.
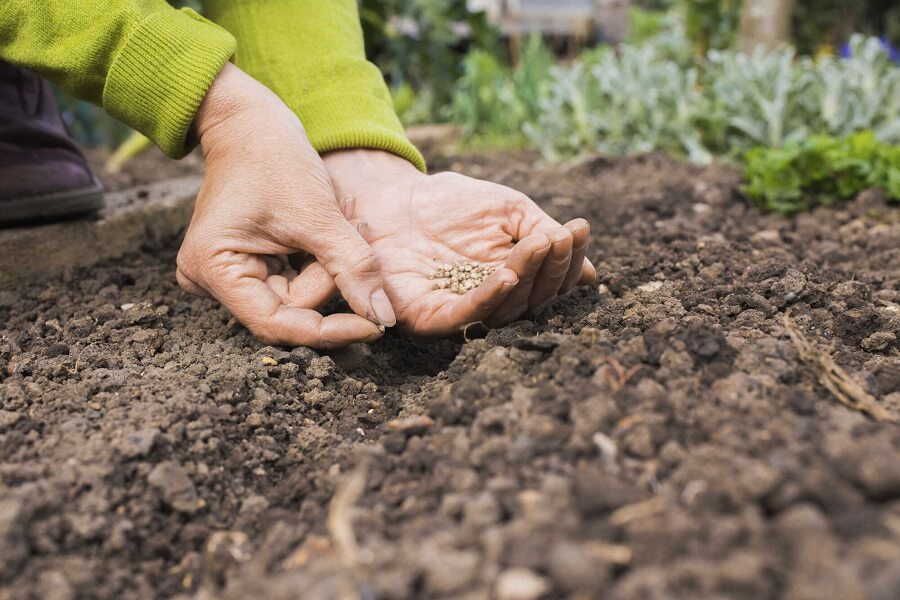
<point>267,237</point>
<point>416,222</point>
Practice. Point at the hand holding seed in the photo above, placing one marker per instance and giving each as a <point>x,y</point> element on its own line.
<point>455,250</point>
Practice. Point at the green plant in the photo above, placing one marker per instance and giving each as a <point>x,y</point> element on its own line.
<point>756,100</point>
<point>494,102</point>
<point>417,44</point>
<point>625,103</point>
<point>823,169</point>
<point>861,92</point>
<point>711,24</point>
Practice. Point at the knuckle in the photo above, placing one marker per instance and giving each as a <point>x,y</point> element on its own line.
<point>359,264</point>
<point>187,261</point>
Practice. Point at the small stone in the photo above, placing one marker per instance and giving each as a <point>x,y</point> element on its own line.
<point>598,493</point>
<point>878,341</point>
<point>573,567</point>
<point>55,350</point>
<point>410,425</point>
<point>268,361</point>
<point>651,287</point>
<point>138,443</point>
<point>9,418</point>
<point>520,584</point>
<point>175,487</point>
<point>127,306</point>
<point>224,549</point>
<point>448,571</point>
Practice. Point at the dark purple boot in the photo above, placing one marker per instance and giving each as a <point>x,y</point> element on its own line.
<point>43,175</point>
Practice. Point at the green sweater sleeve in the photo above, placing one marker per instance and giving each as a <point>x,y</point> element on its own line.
<point>144,62</point>
<point>311,53</point>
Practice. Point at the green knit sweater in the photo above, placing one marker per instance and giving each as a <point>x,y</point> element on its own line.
<point>150,65</point>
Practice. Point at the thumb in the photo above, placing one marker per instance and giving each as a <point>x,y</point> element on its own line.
<point>356,271</point>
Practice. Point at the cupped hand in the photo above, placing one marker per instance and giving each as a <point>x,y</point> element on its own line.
<point>416,222</point>
<point>268,238</point>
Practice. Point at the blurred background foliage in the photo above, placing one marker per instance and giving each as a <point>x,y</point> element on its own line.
<point>430,50</point>
<point>418,44</point>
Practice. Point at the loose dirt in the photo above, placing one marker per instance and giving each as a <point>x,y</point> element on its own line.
<point>657,435</point>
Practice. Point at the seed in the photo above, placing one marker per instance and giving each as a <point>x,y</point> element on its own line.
<point>460,277</point>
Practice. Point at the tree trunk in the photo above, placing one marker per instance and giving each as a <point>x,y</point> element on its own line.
<point>765,24</point>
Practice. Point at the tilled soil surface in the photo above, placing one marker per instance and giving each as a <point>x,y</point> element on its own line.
<point>657,435</point>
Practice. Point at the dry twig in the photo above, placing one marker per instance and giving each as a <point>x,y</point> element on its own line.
<point>340,516</point>
<point>833,377</point>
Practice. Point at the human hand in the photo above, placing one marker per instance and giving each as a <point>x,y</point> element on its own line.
<point>416,222</point>
<point>268,238</point>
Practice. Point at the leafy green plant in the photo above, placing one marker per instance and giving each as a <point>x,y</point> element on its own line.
<point>756,100</point>
<point>625,103</point>
<point>417,44</point>
<point>711,24</point>
<point>494,102</point>
<point>823,169</point>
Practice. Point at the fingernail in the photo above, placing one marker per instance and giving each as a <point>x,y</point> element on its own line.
<point>384,312</point>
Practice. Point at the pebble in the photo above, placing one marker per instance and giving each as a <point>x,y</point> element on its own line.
<point>520,584</point>
<point>878,341</point>
<point>138,443</point>
<point>175,487</point>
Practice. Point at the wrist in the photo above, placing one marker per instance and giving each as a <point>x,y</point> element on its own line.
<point>360,172</point>
<point>233,101</point>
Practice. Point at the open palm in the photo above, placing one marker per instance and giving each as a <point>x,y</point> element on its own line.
<point>415,225</point>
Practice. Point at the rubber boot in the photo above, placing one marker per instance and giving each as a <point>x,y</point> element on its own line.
<point>43,174</point>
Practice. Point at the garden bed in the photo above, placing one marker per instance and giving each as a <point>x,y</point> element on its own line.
<point>657,435</point>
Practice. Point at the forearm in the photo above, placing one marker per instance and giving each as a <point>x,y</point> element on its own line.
<point>144,62</point>
<point>311,53</point>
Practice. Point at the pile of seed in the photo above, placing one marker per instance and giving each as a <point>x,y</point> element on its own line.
<point>460,277</point>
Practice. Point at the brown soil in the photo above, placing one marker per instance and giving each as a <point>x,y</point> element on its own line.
<point>654,436</point>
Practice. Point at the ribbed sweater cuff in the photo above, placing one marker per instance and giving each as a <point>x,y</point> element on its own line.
<point>161,75</point>
<point>356,121</point>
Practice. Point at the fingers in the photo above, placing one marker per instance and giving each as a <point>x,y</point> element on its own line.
<point>474,306</point>
<point>239,283</point>
<point>581,237</point>
<point>312,287</point>
<point>525,218</point>
<point>553,270</point>
<point>588,273</point>
<point>356,271</point>
<point>525,261</point>
<point>263,312</point>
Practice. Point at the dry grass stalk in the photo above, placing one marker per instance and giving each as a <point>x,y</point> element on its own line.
<point>639,510</point>
<point>340,517</point>
<point>833,377</point>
